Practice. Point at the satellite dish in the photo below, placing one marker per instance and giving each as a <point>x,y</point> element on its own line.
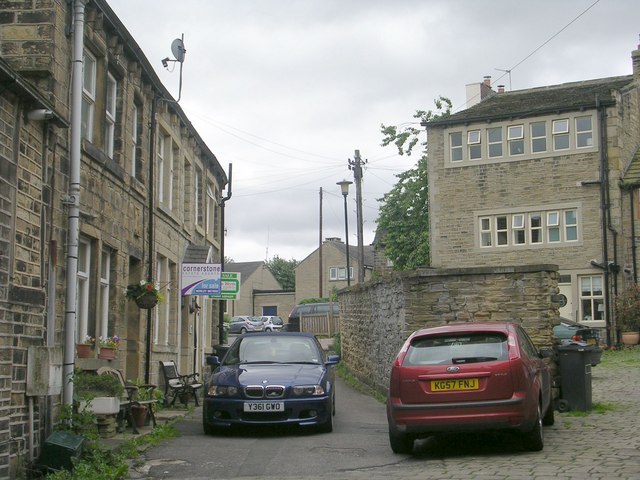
<point>177,48</point>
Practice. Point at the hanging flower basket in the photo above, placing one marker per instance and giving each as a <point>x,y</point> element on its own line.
<point>145,294</point>
<point>147,301</point>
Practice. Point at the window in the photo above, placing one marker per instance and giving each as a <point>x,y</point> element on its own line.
<point>165,171</point>
<point>584,132</point>
<point>485,232</point>
<point>535,227</point>
<point>519,232</point>
<point>110,115</point>
<point>340,273</point>
<point>211,209</point>
<point>473,141</point>
<point>105,280</point>
<point>561,134</point>
<point>502,230</point>
<point>136,140</point>
<point>538,137</point>
<point>528,228</point>
<point>162,141</point>
<point>82,295</point>
<point>494,142</point>
<point>571,226</point>
<point>197,197</point>
<point>88,95</point>
<point>515,136</point>
<point>553,227</point>
<point>591,298</point>
<point>162,310</point>
<point>456,146</point>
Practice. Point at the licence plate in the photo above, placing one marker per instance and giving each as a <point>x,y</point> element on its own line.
<point>264,406</point>
<point>456,385</point>
<point>591,341</point>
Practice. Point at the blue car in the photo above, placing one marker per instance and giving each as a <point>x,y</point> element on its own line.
<point>267,379</point>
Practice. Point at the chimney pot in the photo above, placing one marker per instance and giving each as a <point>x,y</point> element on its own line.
<point>487,80</point>
<point>500,88</point>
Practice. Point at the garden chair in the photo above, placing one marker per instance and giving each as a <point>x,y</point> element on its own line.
<point>177,385</point>
<point>140,395</point>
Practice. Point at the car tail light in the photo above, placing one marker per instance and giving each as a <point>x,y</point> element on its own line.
<point>577,338</point>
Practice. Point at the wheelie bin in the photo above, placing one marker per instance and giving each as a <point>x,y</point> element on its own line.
<point>575,362</point>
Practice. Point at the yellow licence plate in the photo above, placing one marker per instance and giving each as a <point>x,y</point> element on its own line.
<point>456,385</point>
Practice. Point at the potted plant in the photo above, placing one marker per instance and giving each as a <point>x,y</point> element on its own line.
<point>98,393</point>
<point>146,395</point>
<point>627,308</point>
<point>108,347</point>
<point>144,293</point>
<point>84,348</point>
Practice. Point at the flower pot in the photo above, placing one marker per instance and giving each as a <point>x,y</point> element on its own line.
<point>630,338</point>
<point>139,414</point>
<point>102,405</point>
<point>107,353</point>
<point>83,350</point>
<point>147,301</point>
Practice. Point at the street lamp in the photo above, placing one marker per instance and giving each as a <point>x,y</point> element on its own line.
<point>344,187</point>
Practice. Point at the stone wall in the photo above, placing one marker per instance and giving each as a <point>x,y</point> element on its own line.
<point>377,317</point>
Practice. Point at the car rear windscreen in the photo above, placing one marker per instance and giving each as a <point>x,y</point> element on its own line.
<point>457,349</point>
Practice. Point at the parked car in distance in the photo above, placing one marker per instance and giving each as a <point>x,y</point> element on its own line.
<point>469,377</point>
<point>568,330</point>
<point>245,323</point>
<point>293,322</point>
<point>267,379</point>
<point>272,323</point>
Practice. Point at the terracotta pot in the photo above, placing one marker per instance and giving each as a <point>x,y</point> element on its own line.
<point>83,350</point>
<point>630,338</point>
<point>139,414</point>
<point>147,301</point>
<point>107,353</point>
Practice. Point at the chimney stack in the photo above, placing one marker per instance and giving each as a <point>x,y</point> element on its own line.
<point>487,81</point>
<point>635,60</point>
<point>500,88</point>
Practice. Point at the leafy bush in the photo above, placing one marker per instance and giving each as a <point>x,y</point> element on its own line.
<point>627,307</point>
<point>87,385</point>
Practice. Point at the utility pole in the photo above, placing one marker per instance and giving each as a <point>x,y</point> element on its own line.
<point>320,251</point>
<point>356,166</point>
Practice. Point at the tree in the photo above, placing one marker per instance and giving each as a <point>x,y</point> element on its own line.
<point>284,271</point>
<point>404,211</point>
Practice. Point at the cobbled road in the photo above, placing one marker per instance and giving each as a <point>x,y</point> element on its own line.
<point>602,444</point>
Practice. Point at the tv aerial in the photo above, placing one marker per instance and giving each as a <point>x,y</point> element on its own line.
<point>178,51</point>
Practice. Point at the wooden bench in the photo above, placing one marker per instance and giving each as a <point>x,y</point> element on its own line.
<point>131,397</point>
<point>177,385</point>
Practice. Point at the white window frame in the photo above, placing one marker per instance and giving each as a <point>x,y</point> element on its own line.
<point>134,140</point>
<point>88,94</point>
<point>197,197</point>
<point>474,145</point>
<point>515,139</point>
<point>502,234</point>
<point>533,229</point>
<point>83,287</point>
<point>211,209</point>
<point>110,115</point>
<point>559,132</point>
<point>570,226</point>
<point>162,141</point>
<point>485,230</point>
<point>553,227</point>
<point>162,310</point>
<point>519,229</point>
<point>584,136</point>
<point>105,280</point>
<point>455,148</point>
<point>494,143</point>
<point>535,138</point>
<point>589,296</point>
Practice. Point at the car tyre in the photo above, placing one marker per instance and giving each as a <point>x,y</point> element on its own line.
<point>326,426</point>
<point>549,417</point>
<point>209,429</point>
<point>534,439</point>
<point>243,331</point>
<point>400,442</point>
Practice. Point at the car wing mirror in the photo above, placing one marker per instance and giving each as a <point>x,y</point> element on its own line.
<point>332,360</point>
<point>546,352</point>
<point>213,360</point>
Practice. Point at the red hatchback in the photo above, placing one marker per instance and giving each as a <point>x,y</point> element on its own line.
<point>469,377</point>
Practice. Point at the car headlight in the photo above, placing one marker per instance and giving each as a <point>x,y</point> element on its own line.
<point>307,390</point>
<point>222,391</point>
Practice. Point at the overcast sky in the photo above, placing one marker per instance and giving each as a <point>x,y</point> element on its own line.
<point>287,90</point>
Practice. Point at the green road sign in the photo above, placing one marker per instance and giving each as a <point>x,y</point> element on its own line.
<point>229,286</point>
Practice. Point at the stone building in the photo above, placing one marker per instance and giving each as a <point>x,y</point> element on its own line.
<point>543,175</point>
<point>313,282</point>
<point>150,193</point>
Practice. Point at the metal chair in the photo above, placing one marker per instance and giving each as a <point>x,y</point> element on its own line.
<point>177,385</point>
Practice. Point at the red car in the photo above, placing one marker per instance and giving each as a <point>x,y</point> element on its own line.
<point>469,377</point>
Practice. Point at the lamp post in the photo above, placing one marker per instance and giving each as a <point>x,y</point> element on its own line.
<point>344,187</point>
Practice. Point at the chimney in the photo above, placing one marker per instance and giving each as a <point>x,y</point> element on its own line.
<point>487,81</point>
<point>500,88</point>
<point>476,92</point>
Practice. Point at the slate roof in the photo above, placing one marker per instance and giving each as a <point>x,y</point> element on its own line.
<point>539,101</point>
<point>631,178</point>
<point>197,254</point>
<point>244,268</point>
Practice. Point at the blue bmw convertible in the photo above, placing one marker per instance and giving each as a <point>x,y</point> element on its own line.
<point>267,379</point>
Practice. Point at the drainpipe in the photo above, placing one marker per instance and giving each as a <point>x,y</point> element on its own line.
<point>604,208</point>
<point>222,202</point>
<point>73,202</point>
<point>634,247</point>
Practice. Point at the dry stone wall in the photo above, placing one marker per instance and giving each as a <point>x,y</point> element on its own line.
<point>378,316</point>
